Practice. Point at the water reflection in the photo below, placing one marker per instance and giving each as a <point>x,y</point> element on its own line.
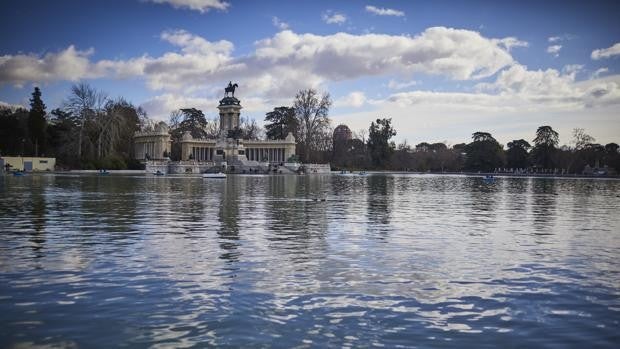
<point>379,198</point>
<point>516,197</point>
<point>484,202</point>
<point>298,261</point>
<point>544,198</point>
<point>38,214</point>
<point>228,215</point>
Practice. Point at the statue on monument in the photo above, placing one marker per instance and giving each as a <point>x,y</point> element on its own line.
<point>230,88</point>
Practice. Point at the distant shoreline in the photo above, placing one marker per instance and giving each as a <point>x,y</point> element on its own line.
<point>465,174</point>
<point>481,174</point>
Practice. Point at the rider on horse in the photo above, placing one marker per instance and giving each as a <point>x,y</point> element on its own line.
<point>231,88</point>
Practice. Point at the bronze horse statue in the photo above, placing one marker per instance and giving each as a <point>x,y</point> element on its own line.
<point>231,88</point>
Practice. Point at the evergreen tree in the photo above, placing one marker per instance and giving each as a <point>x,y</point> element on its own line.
<point>37,122</point>
<point>281,121</point>
<point>14,131</point>
<point>193,121</point>
<point>484,153</point>
<point>516,155</point>
<point>379,145</point>
<point>545,146</point>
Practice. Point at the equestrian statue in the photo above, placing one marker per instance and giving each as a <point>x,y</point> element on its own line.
<point>230,88</point>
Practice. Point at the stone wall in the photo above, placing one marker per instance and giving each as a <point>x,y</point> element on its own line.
<point>317,168</point>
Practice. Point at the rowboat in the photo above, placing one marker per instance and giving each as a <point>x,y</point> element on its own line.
<point>214,175</point>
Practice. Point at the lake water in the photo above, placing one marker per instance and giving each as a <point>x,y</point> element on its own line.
<point>252,261</point>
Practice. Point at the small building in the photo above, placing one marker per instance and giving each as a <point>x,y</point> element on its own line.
<point>27,164</point>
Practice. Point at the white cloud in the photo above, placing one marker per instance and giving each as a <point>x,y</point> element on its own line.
<point>606,52</point>
<point>331,17</point>
<point>193,44</point>
<point>551,89</point>
<point>201,6</point>
<point>519,101</point>
<point>511,42</point>
<point>518,79</point>
<point>455,53</point>
<point>69,64</point>
<point>396,85</point>
<point>195,70</point>
<point>572,68</point>
<point>380,11</point>
<point>354,99</point>
<point>278,23</point>
<point>600,72</point>
<point>451,100</point>
<point>197,60</point>
<point>283,62</point>
<point>160,107</point>
<point>279,65</point>
<point>559,38</point>
<point>554,50</point>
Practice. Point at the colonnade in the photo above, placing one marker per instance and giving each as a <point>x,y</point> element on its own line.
<point>203,153</point>
<point>268,154</point>
<point>150,148</point>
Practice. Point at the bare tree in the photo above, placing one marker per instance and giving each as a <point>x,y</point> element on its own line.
<point>85,103</point>
<point>213,127</point>
<point>251,129</point>
<point>311,109</point>
<point>361,135</point>
<point>581,139</point>
<point>176,116</point>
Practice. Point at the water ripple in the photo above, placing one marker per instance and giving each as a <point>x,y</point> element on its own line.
<point>308,261</point>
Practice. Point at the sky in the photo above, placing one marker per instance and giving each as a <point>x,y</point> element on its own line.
<point>440,69</point>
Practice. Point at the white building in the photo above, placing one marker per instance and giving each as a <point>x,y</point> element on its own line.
<point>204,154</point>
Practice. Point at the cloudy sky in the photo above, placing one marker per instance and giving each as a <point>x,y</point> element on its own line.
<point>440,69</point>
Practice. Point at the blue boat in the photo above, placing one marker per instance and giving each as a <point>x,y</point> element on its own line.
<point>489,179</point>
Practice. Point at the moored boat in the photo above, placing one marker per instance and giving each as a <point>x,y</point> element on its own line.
<point>214,175</point>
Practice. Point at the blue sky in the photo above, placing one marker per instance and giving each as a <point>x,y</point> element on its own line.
<point>440,69</point>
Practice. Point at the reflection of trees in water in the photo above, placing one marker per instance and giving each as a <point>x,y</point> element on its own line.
<point>190,208</point>
<point>295,215</point>
<point>109,205</point>
<point>38,212</point>
<point>296,218</point>
<point>584,202</point>
<point>543,204</point>
<point>484,201</point>
<point>516,191</point>
<point>228,215</point>
<point>379,196</point>
<point>283,211</point>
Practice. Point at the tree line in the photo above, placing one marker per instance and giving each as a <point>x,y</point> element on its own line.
<point>483,154</point>
<point>373,148</point>
<point>90,130</point>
